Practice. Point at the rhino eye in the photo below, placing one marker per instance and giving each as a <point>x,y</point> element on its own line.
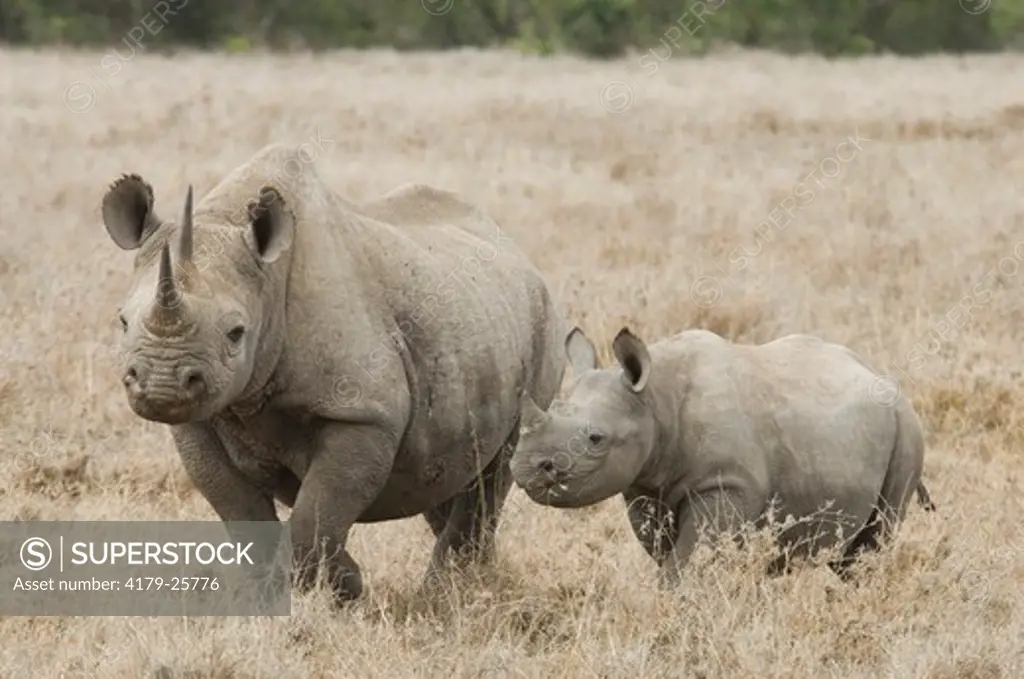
<point>124,322</point>
<point>235,334</point>
<point>596,438</point>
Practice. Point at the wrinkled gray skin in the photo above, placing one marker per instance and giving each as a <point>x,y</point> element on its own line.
<point>355,362</point>
<point>700,432</point>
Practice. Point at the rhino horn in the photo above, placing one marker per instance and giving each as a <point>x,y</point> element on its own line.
<point>167,312</point>
<point>186,229</point>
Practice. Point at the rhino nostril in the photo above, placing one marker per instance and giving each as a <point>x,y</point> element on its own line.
<point>547,467</point>
<point>131,376</point>
<point>192,380</point>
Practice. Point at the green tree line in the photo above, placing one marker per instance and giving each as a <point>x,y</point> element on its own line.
<point>598,28</point>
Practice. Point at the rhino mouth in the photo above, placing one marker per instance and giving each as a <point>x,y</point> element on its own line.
<point>547,487</point>
<point>164,413</point>
<point>554,487</point>
<point>551,492</point>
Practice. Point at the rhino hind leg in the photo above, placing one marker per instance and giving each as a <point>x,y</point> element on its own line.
<point>868,538</point>
<point>437,517</point>
<point>902,482</point>
<point>466,526</point>
<point>877,530</point>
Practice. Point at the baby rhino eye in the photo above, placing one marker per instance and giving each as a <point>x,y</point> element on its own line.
<point>235,334</point>
<point>596,438</point>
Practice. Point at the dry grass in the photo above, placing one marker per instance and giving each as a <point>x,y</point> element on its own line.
<point>623,213</point>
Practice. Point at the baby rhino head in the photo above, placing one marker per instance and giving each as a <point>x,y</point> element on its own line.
<point>201,302</point>
<point>593,445</point>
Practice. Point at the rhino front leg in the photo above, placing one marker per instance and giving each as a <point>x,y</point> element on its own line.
<point>231,494</point>
<point>347,471</point>
<point>653,525</point>
<point>720,512</point>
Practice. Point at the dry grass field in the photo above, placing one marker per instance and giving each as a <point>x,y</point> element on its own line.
<point>876,203</point>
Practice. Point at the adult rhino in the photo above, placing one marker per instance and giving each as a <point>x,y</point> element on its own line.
<point>359,363</point>
<point>700,432</point>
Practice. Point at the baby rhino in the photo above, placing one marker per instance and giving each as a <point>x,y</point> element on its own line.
<point>698,432</point>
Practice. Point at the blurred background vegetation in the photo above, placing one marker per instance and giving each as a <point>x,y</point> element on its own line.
<point>599,28</point>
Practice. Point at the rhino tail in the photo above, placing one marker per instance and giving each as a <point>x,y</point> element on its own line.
<point>924,498</point>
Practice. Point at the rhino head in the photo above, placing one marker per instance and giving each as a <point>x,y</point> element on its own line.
<point>594,444</point>
<point>203,315</point>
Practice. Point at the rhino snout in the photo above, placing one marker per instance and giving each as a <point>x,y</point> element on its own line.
<point>548,469</point>
<point>542,471</point>
<point>169,395</point>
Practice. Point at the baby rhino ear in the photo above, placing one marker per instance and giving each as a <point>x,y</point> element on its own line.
<point>128,211</point>
<point>581,353</point>
<point>631,353</point>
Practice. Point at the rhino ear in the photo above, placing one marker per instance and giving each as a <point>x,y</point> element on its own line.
<point>128,211</point>
<point>631,353</point>
<point>273,227</point>
<point>580,351</point>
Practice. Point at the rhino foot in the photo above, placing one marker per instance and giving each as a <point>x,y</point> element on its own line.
<point>338,571</point>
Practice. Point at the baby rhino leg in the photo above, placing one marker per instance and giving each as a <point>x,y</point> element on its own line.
<point>653,524</point>
<point>718,512</point>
